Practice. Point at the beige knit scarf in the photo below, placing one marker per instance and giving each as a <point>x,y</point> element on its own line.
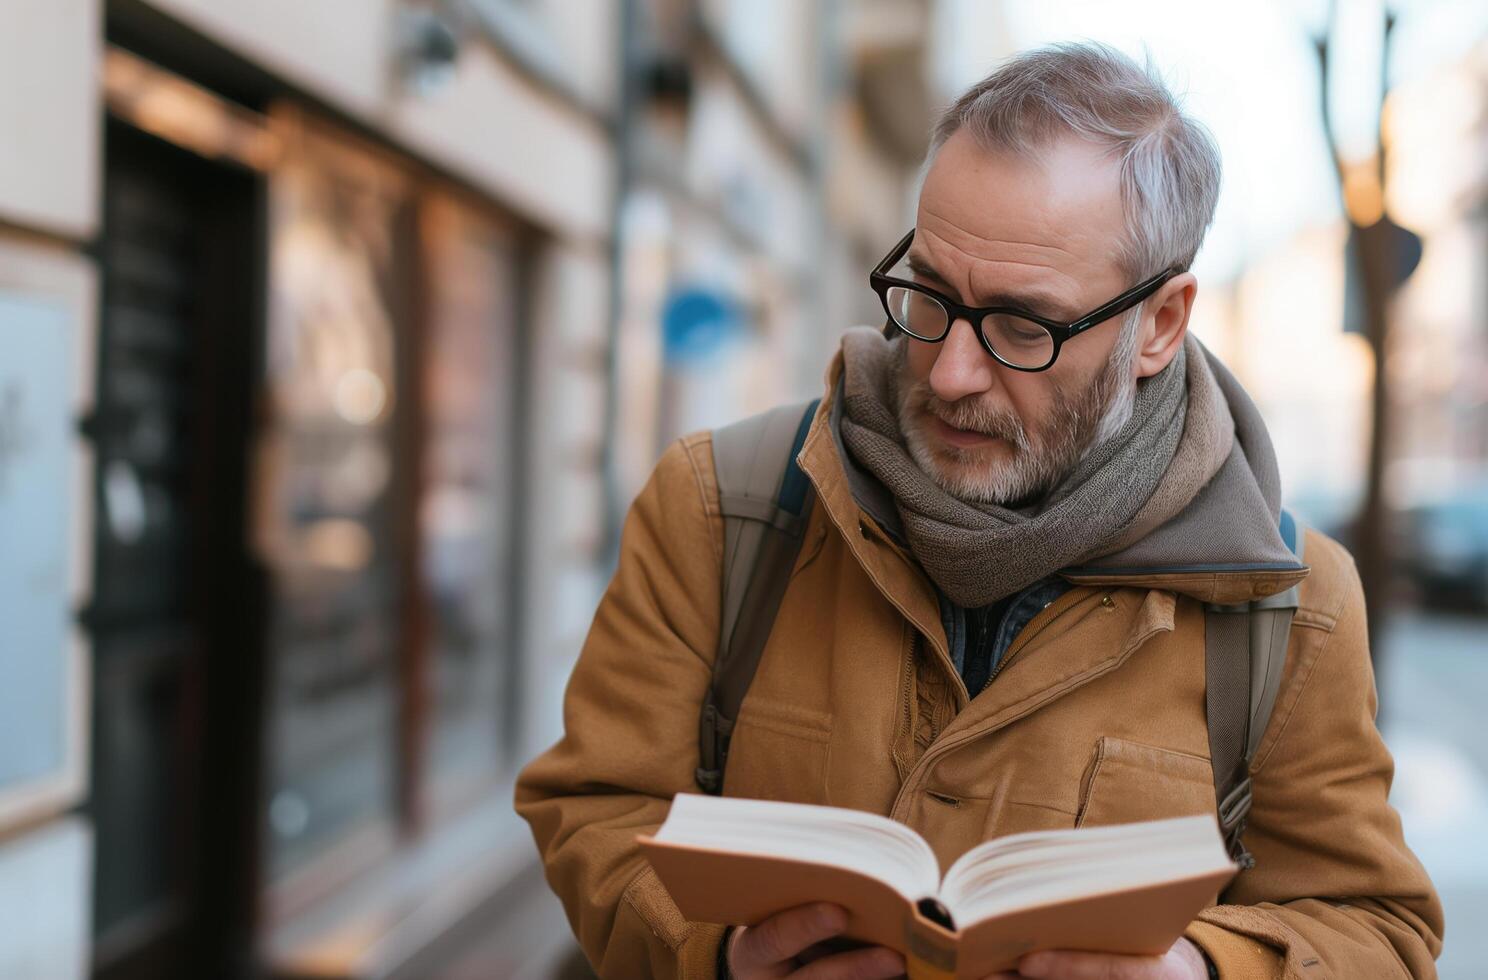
<point>1179,433</point>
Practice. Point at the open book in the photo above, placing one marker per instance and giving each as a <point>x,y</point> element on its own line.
<point>1130,888</point>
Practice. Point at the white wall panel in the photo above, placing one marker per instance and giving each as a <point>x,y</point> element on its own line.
<point>49,114</point>
<point>44,902</point>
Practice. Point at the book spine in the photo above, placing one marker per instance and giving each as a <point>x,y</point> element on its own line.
<point>919,969</point>
<point>930,951</point>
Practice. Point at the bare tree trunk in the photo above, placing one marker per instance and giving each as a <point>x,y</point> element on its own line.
<point>1377,270</point>
<point>1371,532</point>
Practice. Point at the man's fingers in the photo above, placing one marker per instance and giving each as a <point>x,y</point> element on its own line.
<point>872,963</point>
<point>783,935</point>
<point>1089,966</point>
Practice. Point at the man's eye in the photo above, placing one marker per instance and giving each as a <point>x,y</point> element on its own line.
<point>1014,330</point>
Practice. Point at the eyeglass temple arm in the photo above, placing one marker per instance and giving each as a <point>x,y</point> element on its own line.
<point>1137,294</point>
<point>882,269</point>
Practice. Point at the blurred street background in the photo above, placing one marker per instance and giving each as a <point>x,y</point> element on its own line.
<point>337,335</point>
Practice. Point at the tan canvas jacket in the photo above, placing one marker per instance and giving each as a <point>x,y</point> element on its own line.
<point>1096,716</point>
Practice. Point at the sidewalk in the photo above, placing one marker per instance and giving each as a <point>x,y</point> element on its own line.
<point>1434,689</point>
<point>521,934</point>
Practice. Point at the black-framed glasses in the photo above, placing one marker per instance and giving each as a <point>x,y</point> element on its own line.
<point>1019,338</point>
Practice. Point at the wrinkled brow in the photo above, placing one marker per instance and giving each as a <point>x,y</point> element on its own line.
<point>1037,302</point>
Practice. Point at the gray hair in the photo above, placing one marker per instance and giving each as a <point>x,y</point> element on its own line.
<point>1169,162</point>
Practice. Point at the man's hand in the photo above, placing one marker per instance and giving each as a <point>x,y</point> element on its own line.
<point>1182,962</point>
<point>781,945</point>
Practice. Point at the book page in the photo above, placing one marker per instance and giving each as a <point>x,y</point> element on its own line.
<point>852,840</point>
<point>1047,867</point>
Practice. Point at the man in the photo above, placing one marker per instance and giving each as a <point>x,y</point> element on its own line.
<point>996,621</point>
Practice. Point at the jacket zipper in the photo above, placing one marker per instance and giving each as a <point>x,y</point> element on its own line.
<point>943,747</point>
<point>906,684</point>
<point>1007,658</point>
<point>938,748</point>
<point>1020,642</point>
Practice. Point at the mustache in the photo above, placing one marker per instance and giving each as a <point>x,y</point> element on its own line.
<point>973,416</point>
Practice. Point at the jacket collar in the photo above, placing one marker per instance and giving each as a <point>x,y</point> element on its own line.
<point>1175,557</point>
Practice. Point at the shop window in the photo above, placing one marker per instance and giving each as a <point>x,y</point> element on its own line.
<point>466,509</point>
<point>330,493</point>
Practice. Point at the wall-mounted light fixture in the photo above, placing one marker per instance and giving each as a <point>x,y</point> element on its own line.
<point>428,46</point>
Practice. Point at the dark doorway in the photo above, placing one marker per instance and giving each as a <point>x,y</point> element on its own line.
<point>178,655</point>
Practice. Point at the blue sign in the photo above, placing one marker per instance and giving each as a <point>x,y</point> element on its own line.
<point>696,322</point>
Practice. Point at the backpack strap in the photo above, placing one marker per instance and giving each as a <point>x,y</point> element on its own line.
<point>766,499</point>
<point>1245,647</point>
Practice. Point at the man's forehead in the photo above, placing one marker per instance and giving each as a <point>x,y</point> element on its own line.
<point>1053,217</point>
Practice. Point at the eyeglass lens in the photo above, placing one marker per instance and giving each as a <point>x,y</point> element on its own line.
<point>1017,340</point>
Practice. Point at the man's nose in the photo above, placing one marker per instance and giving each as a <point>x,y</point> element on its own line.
<point>962,367</point>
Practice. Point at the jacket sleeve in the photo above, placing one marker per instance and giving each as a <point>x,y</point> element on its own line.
<point>1335,892</point>
<point>630,718</point>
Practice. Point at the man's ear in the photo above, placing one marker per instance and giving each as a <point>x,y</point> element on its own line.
<point>1164,327</point>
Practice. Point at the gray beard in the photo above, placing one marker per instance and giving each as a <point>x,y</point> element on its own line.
<point>1077,424</point>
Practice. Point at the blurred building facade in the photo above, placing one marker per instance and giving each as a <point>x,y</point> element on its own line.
<point>334,338</point>
<point>1437,127</point>
<point>768,156</point>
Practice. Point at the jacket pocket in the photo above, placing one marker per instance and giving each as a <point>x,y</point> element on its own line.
<point>1126,782</point>
<point>778,753</point>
